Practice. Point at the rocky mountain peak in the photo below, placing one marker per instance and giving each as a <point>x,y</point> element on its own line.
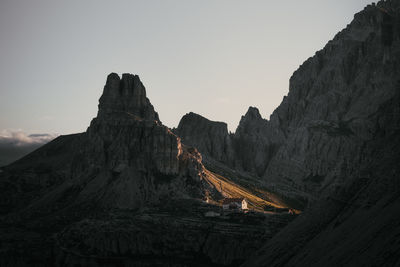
<point>126,95</point>
<point>193,118</point>
<point>251,119</point>
<point>210,137</point>
<point>253,113</point>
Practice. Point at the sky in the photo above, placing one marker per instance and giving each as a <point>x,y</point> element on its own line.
<point>212,57</point>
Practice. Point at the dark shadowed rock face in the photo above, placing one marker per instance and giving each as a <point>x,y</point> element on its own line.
<point>342,119</point>
<point>255,142</point>
<point>328,115</point>
<point>165,239</point>
<point>209,137</point>
<point>358,224</point>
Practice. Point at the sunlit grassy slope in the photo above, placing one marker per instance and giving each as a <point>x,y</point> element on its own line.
<point>261,201</point>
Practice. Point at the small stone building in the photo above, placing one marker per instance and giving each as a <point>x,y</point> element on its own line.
<point>234,204</point>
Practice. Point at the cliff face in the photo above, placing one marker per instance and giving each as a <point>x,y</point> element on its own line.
<point>126,95</point>
<point>328,115</point>
<point>357,224</point>
<point>255,142</point>
<point>342,119</point>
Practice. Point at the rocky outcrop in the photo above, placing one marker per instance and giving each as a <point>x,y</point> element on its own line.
<point>156,239</point>
<point>209,137</point>
<point>125,95</point>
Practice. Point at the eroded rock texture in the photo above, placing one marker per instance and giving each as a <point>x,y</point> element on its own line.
<point>125,95</point>
<point>342,117</point>
<point>255,142</point>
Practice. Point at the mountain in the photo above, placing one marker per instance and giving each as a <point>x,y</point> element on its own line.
<point>130,191</point>
<point>317,134</point>
<point>130,175</point>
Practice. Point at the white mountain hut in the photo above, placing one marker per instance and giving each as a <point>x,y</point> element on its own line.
<point>234,204</point>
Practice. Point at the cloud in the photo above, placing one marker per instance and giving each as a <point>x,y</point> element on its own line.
<point>14,144</point>
<point>19,138</point>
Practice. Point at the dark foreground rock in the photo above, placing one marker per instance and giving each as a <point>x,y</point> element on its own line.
<point>174,234</point>
<point>165,238</point>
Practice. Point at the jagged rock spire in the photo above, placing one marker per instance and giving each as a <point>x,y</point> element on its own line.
<point>126,95</point>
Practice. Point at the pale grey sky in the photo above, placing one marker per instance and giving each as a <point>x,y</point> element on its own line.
<point>215,58</point>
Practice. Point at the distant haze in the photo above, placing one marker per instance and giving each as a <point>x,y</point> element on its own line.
<point>215,58</point>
